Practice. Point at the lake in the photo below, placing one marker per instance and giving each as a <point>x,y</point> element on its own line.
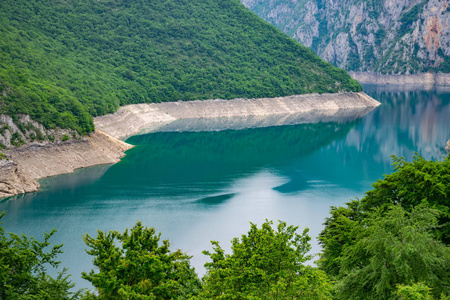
<point>200,186</point>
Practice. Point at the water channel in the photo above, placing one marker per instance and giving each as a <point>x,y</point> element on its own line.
<point>208,185</point>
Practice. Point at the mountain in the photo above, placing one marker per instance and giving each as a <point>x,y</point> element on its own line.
<point>64,61</point>
<point>382,36</point>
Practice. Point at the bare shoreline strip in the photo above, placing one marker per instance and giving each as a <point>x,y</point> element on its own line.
<point>131,119</point>
<point>103,146</point>
<point>19,174</point>
<point>425,79</point>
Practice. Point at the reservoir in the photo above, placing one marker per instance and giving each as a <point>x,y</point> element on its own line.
<point>199,186</point>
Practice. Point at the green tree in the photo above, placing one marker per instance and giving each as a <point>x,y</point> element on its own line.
<point>340,231</point>
<point>23,273</point>
<point>265,264</point>
<point>413,183</point>
<point>393,248</point>
<point>416,291</point>
<point>139,267</point>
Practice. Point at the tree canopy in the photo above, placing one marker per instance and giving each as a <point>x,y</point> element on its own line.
<point>396,235</point>
<point>265,264</point>
<point>23,269</point>
<point>63,62</point>
<point>134,265</point>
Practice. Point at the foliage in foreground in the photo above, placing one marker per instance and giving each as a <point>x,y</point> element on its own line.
<point>138,267</point>
<point>389,245</point>
<point>397,235</point>
<point>265,264</point>
<point>23,274</point>
<point>394,248</point>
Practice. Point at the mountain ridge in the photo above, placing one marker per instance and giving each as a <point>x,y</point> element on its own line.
<point>65,62</point>
<point>375,36</point>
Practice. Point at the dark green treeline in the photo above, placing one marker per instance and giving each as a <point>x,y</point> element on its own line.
<point>63,62</point>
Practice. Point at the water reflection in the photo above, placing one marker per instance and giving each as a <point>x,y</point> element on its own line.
<point>172,164</point>
<point>240,123</point>
<point>201,186</point>
<point>409,121</point>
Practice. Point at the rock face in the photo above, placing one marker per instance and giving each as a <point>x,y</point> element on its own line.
<point>14,181</point>
<point>132,119</point>
<point>448,146</point>
<point>64,157</point>
<point>28,152</point>
<point>25,164</point>
<point>376,36</point>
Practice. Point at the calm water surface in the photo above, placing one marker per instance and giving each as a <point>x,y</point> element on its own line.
<point>200,186</point>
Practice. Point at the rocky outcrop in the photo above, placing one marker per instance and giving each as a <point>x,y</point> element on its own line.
<point>132,119</point>
<point>447,147</point>
<point>23,131</point>
<point>376,36</point>
<point>25,164</point>
<point>59,158</point>
<point>14,181</point>
<point>28,151</point>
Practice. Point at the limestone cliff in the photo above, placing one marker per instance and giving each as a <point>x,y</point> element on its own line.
<point>376,36</point>
<point>14,181</point>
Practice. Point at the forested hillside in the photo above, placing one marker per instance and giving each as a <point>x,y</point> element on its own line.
<point>64,61</point>
<point>387,37</point>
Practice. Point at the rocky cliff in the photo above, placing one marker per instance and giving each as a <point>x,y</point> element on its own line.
<point>376,36</point>
<point>28,152</point>
<point>14,181</point>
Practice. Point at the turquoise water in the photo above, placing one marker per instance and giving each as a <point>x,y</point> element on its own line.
<point>200,186</point>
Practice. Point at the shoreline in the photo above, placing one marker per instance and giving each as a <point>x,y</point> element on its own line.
<point>104,146</point>
<point>136,118</point>
<point>426,79</point>
<point>26,165</point>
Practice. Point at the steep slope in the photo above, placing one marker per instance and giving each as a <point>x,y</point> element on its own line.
<point>383,36</point>
<point>64,61</point>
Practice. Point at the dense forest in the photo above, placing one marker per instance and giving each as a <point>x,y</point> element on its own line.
<point>64,61</point>
<point>391,244</point>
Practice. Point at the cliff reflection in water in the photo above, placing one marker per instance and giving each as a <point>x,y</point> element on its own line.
<point>410,120</point>
<point>190,160</point>
<point>201,186</point>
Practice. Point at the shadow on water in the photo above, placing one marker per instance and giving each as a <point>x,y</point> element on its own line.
<point>198,186</point>
<point>215,200</point>
<point>173,165</point>
<point>191,158</point>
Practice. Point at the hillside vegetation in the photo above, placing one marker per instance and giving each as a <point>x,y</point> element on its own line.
<point>64,61</point>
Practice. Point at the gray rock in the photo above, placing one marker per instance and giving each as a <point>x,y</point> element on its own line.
<point>14,181</point>
<point>385,37</point>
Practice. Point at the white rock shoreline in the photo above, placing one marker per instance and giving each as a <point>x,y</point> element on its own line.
<point>133,119</point>
<point>426,79</point>
<point>35,161</point>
